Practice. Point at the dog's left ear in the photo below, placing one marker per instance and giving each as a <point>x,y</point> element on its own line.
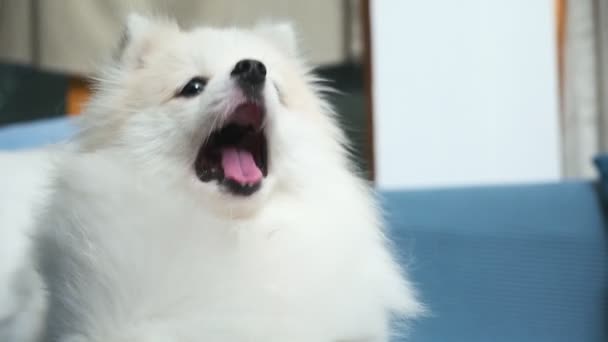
<point>281,34</point>
<point>138,37</point>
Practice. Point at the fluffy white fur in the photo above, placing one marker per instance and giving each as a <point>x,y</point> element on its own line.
<point>24,177</point>
<point>133,247</point>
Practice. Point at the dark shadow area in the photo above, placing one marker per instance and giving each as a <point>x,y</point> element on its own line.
<point>349,102</point>
<point>29,94</point>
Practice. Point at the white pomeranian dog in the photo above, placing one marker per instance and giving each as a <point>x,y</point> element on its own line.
<point>211,199</point>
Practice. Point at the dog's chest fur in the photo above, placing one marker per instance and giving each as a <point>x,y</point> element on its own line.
<point>129,259</point>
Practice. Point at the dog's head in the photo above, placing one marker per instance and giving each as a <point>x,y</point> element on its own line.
<point>233,114</point>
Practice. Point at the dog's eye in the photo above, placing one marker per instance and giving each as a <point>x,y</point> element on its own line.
<point>194,87</point>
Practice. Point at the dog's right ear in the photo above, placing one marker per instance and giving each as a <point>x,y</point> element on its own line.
<point>138,38</point>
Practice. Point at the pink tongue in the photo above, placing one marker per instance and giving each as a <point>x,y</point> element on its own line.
<point>239,166</point>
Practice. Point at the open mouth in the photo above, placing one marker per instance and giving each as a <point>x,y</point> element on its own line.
<point>235,155</point>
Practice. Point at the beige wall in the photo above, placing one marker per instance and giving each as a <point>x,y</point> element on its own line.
<point>74,35</point>
<point>15,42</point>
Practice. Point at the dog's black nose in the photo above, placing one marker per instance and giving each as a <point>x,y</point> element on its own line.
<point>250,71</point>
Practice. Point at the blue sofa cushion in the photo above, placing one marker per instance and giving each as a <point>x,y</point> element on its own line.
<point>505,263</point>
<point>36,133</point>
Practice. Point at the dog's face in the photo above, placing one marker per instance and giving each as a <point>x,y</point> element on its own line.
<point>222,110</point>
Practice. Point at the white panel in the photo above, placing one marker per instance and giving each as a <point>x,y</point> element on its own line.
<point>465,92</point>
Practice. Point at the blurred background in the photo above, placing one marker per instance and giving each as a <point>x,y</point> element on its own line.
<point>497,91</point>
<point>48,49</point>
<point>481,122</point>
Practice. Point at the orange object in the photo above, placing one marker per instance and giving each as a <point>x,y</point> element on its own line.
<point>77,95</point>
